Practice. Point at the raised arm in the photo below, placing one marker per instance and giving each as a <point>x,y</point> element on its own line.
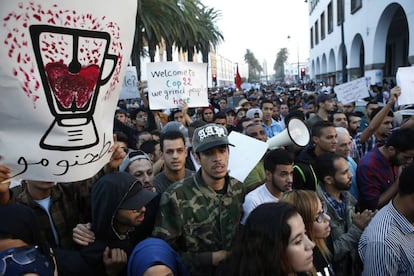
<point>379,117</point>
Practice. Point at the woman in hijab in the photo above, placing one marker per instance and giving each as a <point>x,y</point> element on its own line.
<point>155,257</point>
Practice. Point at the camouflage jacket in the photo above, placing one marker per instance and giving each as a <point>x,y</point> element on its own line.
<point>197,221</point>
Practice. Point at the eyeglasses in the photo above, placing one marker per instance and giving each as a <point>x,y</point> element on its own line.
<point>321,215</point>
<point>27,255</point>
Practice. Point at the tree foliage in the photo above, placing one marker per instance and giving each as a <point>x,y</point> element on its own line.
<point>186,26</point>
<point>254,66</point>
<point>279,65</point>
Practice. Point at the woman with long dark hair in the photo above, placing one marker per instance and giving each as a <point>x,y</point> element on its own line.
<point>273,241</point>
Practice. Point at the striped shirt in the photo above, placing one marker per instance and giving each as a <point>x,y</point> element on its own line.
<point>387,245</point>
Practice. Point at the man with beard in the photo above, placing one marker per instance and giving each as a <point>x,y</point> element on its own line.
<point>174,153</point>
<point>278,165</point>
<point>377,172</point>
<point>199,215</point>
<point>335,180</point>
<point>339,119</point>
<point>118,204</point>
<point>354,123</point>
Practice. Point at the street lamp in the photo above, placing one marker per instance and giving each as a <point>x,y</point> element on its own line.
<point>344,56</point>
<point>297,49</point>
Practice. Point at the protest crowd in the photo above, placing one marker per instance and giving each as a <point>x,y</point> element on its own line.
<point>165,203</point>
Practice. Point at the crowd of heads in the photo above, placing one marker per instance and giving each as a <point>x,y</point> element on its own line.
<point>172,182</point>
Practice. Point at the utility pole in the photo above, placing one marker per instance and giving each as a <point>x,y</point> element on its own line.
<point>344,55</point>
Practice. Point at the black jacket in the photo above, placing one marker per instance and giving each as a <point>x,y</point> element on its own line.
<point>304,177</point>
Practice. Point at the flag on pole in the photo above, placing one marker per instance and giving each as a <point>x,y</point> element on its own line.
<point>238,80</point>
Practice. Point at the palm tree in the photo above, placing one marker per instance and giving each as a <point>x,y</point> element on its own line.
<point>188,25</point>
<point>208,34</point>
<point>254,67</point>
<point>152,24</point>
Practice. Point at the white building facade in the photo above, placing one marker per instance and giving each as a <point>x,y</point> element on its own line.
<point>378,36</point>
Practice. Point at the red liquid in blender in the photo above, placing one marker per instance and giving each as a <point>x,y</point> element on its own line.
<point>70,87</point>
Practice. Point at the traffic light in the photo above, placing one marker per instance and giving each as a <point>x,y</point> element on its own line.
<point>214,79</point>
<point>302,73</point>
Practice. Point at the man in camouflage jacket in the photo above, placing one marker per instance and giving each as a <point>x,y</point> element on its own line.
<point>199,215</point>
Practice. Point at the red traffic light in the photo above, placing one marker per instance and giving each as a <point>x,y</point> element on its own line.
<point>302,73</point>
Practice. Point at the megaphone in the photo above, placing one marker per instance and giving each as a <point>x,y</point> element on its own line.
<point>296,133</point>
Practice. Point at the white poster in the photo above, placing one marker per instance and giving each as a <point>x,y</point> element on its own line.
<point>62,70</point>
<point>405,80</point>
<point>374,77</point>
<point>352,91</point>
<point>246,148</point>
<point>130,84</point>
<point>171,84</point>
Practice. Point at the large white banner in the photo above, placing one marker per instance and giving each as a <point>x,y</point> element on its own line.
<point>171,84</point>
<point>61,73</point>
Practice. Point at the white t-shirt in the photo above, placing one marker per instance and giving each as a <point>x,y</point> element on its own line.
<point>256,197</point>
<point>45,204</point>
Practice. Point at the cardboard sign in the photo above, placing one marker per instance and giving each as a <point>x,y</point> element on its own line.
<point>246,148</point>
<point>130,85</point>
<point>62,69</point>
<point>405,80</point>
<point>171,84</point>
<point>352,91</point>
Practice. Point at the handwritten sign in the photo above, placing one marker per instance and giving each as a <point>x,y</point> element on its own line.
<point>352,91</point>
<point>62,69</point>
<point>129,87</point>
<point>171,84</point>
<point>405,79</point>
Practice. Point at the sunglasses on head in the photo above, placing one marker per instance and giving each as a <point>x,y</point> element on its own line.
<point>26,259</point>
<point>137,155</point>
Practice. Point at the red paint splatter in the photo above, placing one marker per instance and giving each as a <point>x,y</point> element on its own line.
<point>18,45</point>
<point>36,16</point>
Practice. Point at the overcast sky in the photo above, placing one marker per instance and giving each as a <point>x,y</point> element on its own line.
<point>263,27</point>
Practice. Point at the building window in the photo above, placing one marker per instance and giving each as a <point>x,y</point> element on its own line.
<point>311,37</point>
<point>355,5</point>
<point>323,26</point>
<point>330,18</point>
<point>316,33</point>
<point>340,12</point>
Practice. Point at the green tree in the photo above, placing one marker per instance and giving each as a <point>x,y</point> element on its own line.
<point>254,66</point>
<point>208,36</point>
<point>186,25</point>
<point>279,65</point>
<point>151,26</point>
